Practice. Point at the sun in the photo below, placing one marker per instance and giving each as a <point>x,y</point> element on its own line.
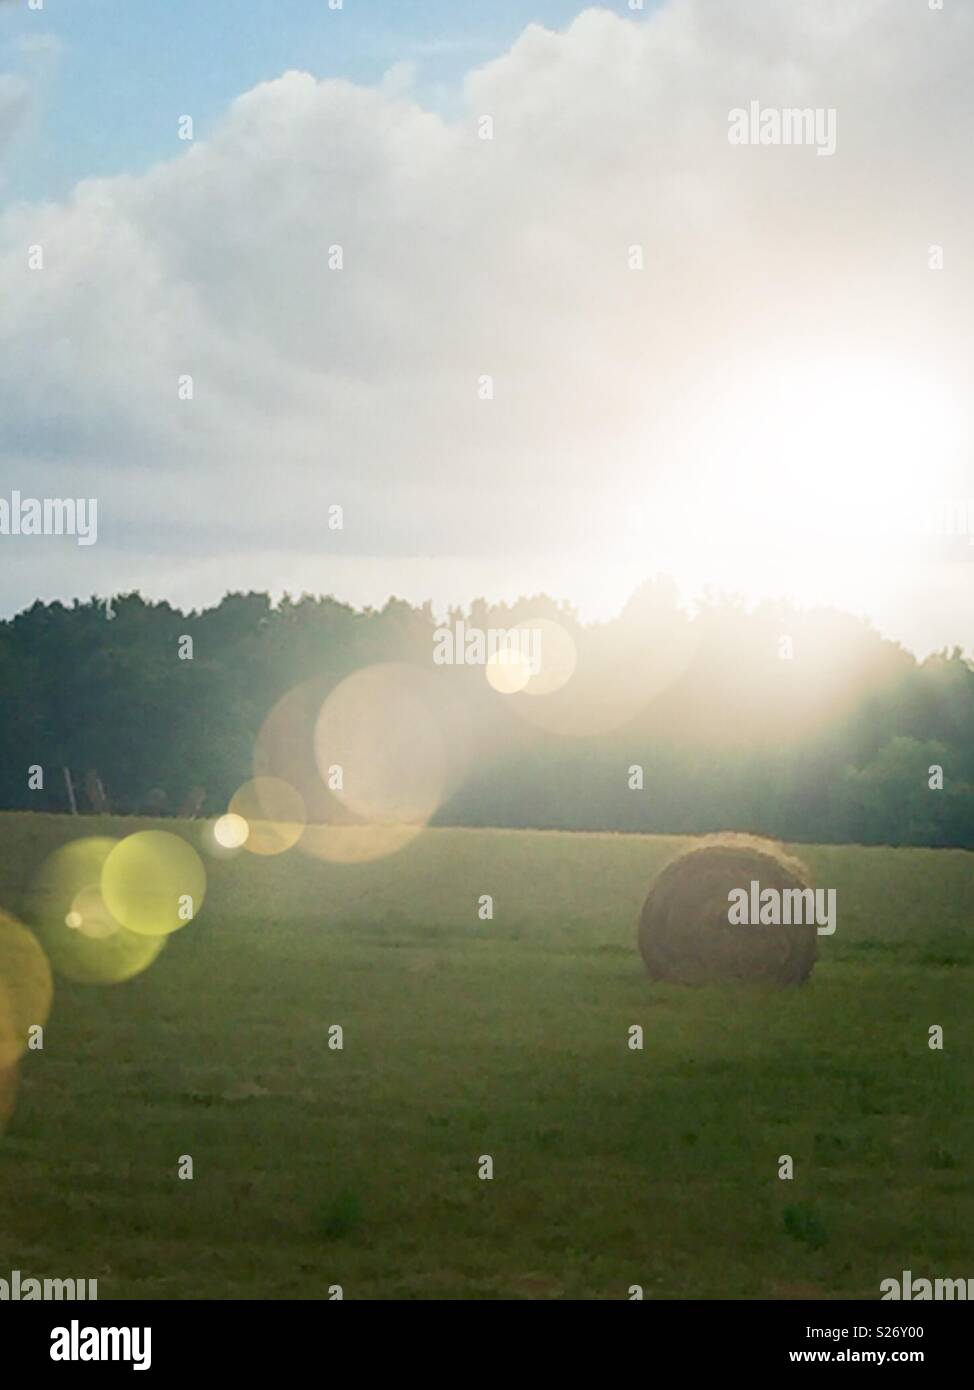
<point>811,465</point>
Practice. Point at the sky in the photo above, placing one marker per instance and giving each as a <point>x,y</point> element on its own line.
<point>604,342</point>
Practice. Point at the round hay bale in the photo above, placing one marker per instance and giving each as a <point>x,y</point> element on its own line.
<point>684,932</point>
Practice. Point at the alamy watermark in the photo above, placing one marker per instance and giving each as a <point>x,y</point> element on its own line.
<point>776,907</point>
<point>50,516</point>
<point>461,645</point>
<point>920,1290</point>
<point>773,125</point>
<point>20,1289</point>
<point>77,1343</point>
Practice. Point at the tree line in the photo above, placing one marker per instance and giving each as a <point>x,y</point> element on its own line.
<point>805,725</point>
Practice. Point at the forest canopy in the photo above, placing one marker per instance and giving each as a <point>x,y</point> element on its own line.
<point>805,725</point>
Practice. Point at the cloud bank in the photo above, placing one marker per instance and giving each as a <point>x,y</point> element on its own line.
<point>465,258</point>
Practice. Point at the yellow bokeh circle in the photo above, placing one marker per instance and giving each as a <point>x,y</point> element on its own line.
<point>26,988</point>
<point>153,882</point>
<point>82,938</point>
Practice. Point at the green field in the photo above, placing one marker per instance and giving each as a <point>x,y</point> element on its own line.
<point>612,1167</point>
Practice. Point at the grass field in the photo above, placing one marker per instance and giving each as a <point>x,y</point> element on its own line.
<point>612,1167</point>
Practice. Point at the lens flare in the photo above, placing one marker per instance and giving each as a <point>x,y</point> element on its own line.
<point>372,758</point>
<point>273,813</point>
<point>508,671</point>
<point>231,831</point>
<point>26,988</point>
<point>377,730</point>
<point>285,745</point>
<point>90,916</point>
<point>612,678</point>
<point>153,882</point>
<point>557,656</point>
<point>82,938</point>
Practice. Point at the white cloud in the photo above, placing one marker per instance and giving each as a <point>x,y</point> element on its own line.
<point>466,257</point>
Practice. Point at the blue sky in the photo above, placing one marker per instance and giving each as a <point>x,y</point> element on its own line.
<point>109,88</point>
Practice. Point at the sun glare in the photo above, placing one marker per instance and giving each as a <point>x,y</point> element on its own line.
<point>808,467</point>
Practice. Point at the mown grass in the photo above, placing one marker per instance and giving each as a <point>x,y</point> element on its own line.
<point>358,1167</point>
